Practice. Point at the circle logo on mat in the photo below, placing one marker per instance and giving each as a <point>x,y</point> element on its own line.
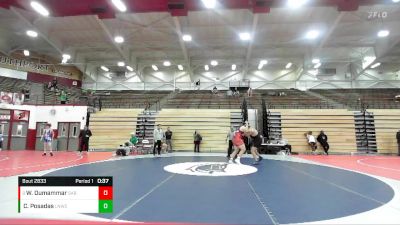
<point>212,169</point>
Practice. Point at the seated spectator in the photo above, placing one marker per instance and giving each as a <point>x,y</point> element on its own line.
<point>215,90</point>
<point>26,92</point>
<point>197,84</point>
<point>121,151</point>
<point>52,86</point>
<point>236,93</point>
<point>311,141</point>
<point>133,142</point>
<point>323,140</point>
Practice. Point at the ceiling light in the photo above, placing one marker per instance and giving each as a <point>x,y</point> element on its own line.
<point>129,68</point>
<point>262,63</point>
<point>187,37</point>
<point>206,67</point>
<point>233,67</point>
<point>383,33</point>
<point>119,39</point>
<point>39,8</point>
<point>167,63</point>
<point>316,66</point>
<point>375,65</point>
<point>369,58</point>
<point>155,68</point>
<point>312,34</point>
<point>180,67</point>
<point>296,3</point>
<point>26,53</point>
<point>209,4</point>
<point>121,64</point>
<point>396,0</point>
<point>315,61</point>
<point>288,65</point>
<point>214,63</point>
<point>120,5</point>
<point>31,33</point>
<point>104,68</point>
<point>244,36</point>
<point>65,58</point>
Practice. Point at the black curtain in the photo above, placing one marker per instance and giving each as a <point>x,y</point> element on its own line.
<point>265,120</point>
<point>244,111</point>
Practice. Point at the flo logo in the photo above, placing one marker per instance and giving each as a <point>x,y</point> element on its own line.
<point>212,169</point>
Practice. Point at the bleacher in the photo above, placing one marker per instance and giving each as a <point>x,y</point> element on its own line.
<point>112,127</point>
<point>203,100</point>
<point>53,97</point>
<point>338,124</point>
<point>129,99</point>
<point>39,94</point>
<point>279,99</point>
<point>213,125</point>
<point>373,98</point>
<point>387,124</point>
<point>13,85</point>
<point>288,99</point>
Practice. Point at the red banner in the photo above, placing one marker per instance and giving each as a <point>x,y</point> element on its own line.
<point>6,97</point>
<point>20,115</point>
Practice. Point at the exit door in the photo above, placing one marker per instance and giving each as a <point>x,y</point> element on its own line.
<point>19,133</point>
<point>68,136</point>
<point>4,128</point>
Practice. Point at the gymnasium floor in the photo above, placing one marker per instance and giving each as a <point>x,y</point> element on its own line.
<point>188,188</point>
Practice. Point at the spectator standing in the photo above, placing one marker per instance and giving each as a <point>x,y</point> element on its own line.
<point>311,141</point>
<point>84,136</point>
<point>249,92</point>
<point>168,139</point>
<point>63,97</point>
<point>197,138</point>
<point>158,135</point>
<point>229,138</point>
<point>47,138</point>
<point>323,140</point>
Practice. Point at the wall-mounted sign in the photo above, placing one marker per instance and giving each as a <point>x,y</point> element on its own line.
<point>5,117</point>
<point>6,97</point>
<point>12,98</point>
<point>21,115</point>
<point>32,66</point>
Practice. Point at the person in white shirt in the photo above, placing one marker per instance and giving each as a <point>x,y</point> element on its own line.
<point>311,141</point>
<point>47,138</point>
<point>158,135</point>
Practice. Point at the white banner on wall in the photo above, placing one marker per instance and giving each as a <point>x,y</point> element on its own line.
<point>4,72</point>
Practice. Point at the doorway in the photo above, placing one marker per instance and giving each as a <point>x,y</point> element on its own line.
<point>68,136</point>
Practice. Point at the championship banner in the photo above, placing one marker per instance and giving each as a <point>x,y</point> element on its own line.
<point>18,99</point>
<point>21,115</point>
<point>6,97</point>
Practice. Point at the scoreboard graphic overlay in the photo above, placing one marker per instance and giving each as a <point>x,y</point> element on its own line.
<point>65,194</point>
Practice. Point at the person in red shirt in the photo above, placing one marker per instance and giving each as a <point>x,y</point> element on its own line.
<point>238,145</point>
